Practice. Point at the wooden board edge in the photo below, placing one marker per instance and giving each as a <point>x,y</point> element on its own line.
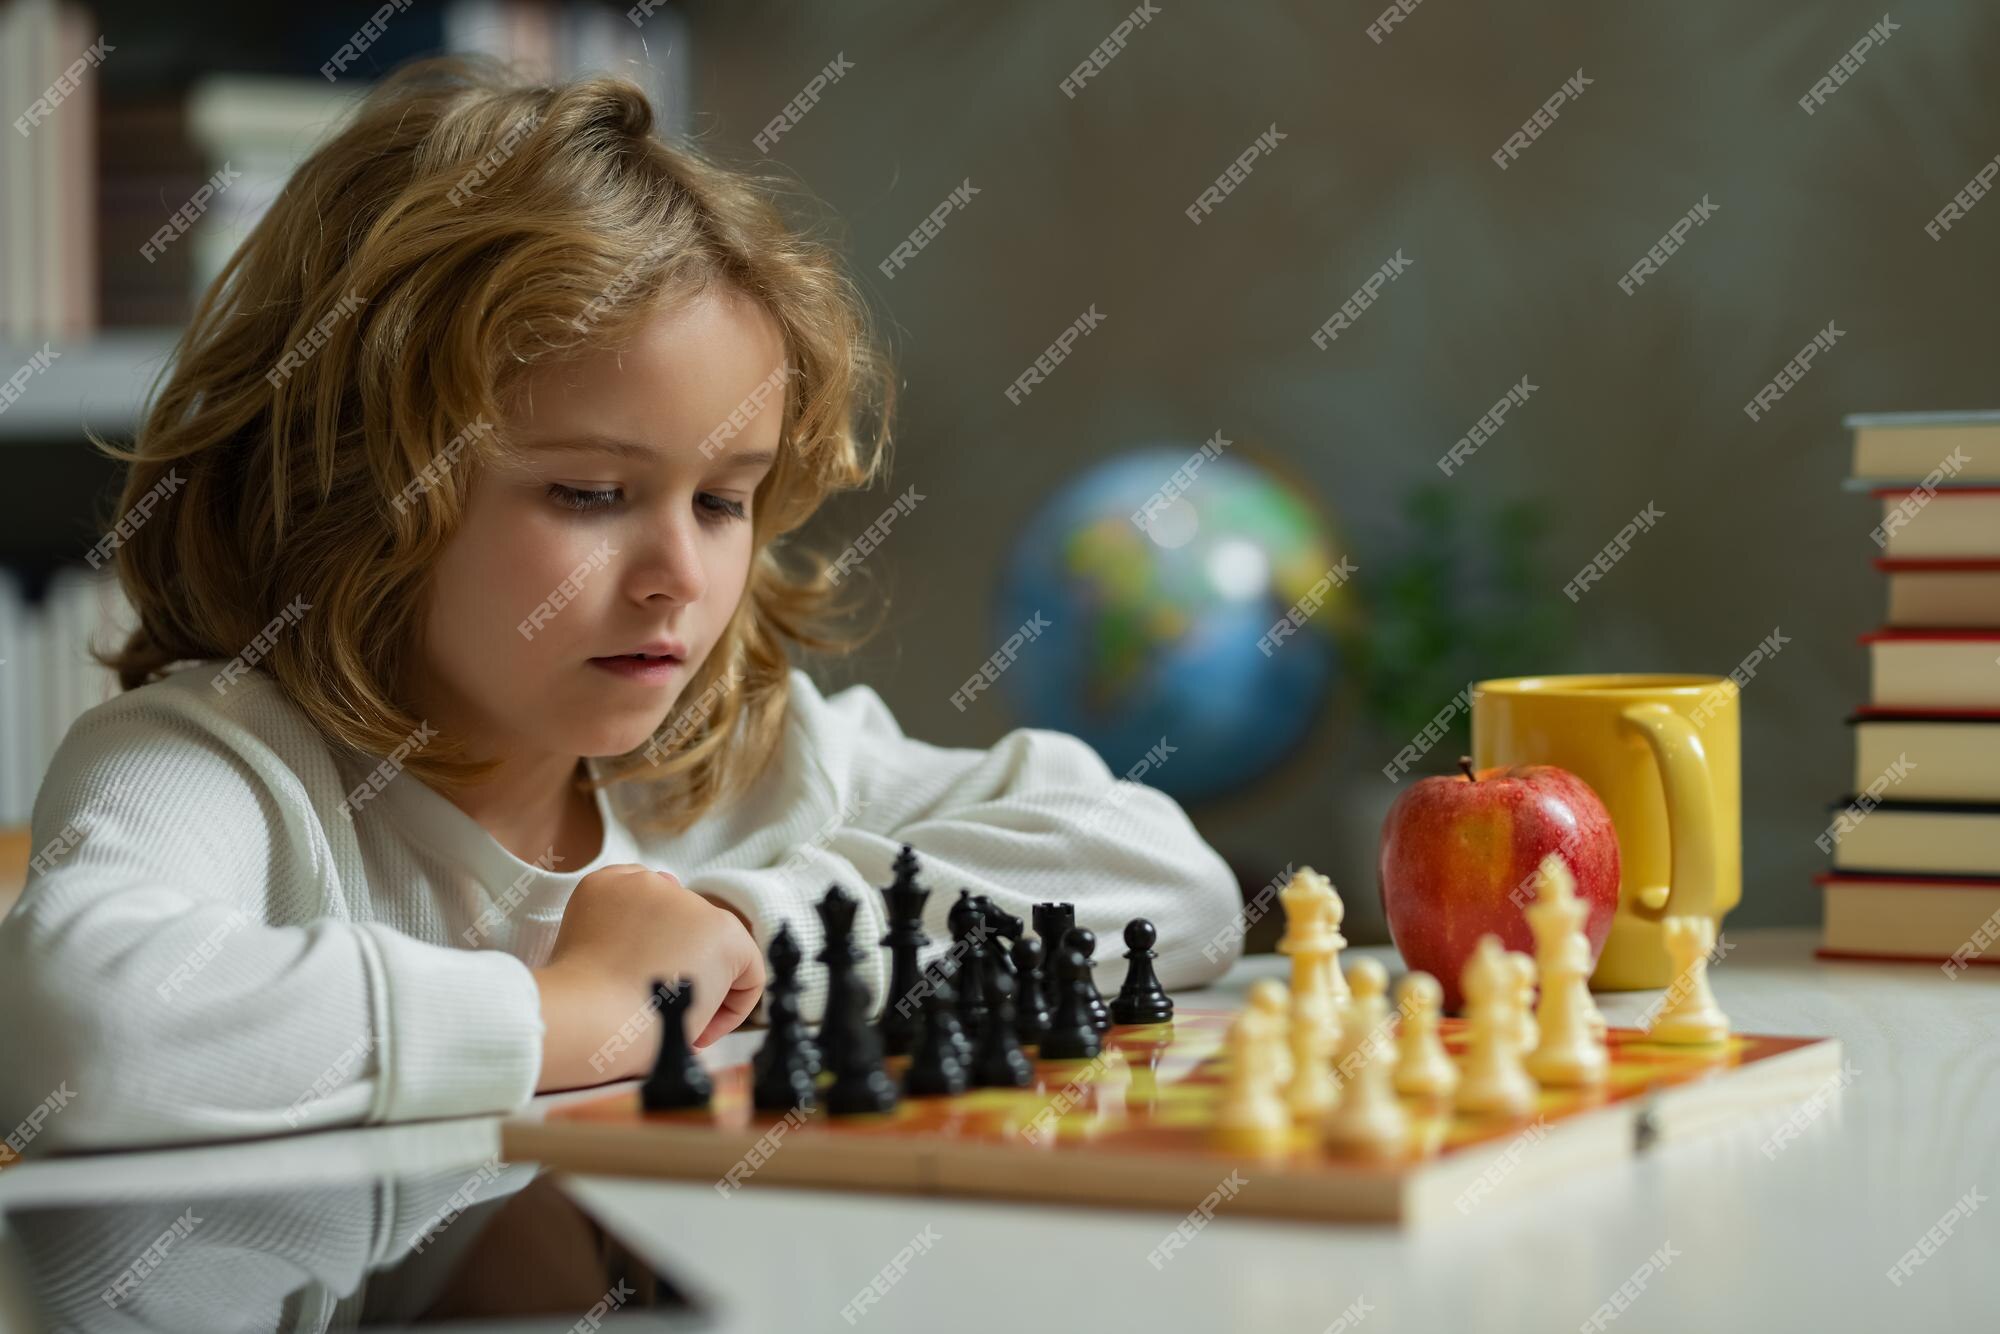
<point>1515,1166</point>
<point>989,1171</point>
<point>703,1153</point>
<point>1682,1111</point>
<point>1177,1182</point>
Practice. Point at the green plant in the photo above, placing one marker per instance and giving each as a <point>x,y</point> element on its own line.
<point>1463,597</point>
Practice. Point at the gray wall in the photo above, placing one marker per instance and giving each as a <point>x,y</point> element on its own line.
<point>1515,273</point>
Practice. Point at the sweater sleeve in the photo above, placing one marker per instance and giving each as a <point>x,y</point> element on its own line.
<point>1037,817</point>
<point>173,972</point>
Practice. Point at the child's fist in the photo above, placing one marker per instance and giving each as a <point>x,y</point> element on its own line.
<point>626,925</point>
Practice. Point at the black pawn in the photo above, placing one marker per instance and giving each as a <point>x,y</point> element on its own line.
<point>1142,1000</point>
<point>1071,1035</point>
<point>1002,1064</point>
<point>1031,1012</point>
<point>782,1072</point>
<point>968,944</point>
<point>945,1011</point>
<point>938,1069</point>
<point>677,1080</point>
<point>786,957</point>
<point>1084,940</point>
<point>1052,922</point>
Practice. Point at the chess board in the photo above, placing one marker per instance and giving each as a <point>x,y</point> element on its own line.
<point>1133,1128</point>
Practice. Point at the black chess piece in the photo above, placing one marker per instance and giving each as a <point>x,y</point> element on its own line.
<point>938,1067</point>
<point>860,1084</point>
<point>848,1042</point>
<point>903,1015</point>
<point>786,957</point>
<point>783,1069</point>
<point>1071,1036</point>
<point>1031,1009</point>
<point>1141,1000</point>
<point>1001,926</point>
<point>967,920</point>
<point>1052,922</point>
<point>836,916</point>
<point>999,929</point>
<point>677,1080</point>
<point>1085,940</point>
<point>939,976</point>
<point>1001,1062</point>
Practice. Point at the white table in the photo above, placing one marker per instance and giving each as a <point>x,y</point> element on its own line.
<point>1797,1239</point>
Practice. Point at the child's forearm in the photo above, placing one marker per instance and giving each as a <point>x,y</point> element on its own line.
<point>584,1040</point>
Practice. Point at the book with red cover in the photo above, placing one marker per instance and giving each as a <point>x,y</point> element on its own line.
<point>1934,669</point>
<point>1894,916</point>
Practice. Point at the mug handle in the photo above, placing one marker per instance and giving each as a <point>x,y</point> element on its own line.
<point>1690,795</point>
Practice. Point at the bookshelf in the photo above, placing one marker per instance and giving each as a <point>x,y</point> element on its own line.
<point>168,104</point>
<point>97,383</point>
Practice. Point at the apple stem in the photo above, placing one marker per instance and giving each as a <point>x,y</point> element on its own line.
<point>1465,767</point>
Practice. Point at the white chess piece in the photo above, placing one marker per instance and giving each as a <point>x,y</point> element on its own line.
<point>1691,1016</point>
<point>1367,1119</point>
<point>1492,1080</point>
<point>1310,942</point>
<point>1333,911</point>
<point>1423,1067</point>
<point>1252,1117</point>
<point>1571,1051</point>
<point>1311,1090</point>
<point>1526,1032</point>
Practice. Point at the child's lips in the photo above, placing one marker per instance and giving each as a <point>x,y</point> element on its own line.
<point>646,671</point>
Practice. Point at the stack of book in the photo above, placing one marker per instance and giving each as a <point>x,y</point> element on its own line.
<point>1916,844</point>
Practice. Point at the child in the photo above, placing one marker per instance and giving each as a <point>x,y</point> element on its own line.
<point>460,705</point>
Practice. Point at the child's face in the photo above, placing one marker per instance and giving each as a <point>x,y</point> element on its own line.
<point>661,552</point>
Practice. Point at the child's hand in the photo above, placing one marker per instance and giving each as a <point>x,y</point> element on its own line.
<point>626,925</point>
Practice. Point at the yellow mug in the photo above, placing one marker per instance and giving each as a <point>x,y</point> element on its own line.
<point>1663,753</point>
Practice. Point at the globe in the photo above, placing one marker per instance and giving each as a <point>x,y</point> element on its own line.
<point>1159,611</point>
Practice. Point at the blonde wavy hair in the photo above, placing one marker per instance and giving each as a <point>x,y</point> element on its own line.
<point>463,226</point>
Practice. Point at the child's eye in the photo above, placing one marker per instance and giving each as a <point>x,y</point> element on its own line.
<point>721,506</point>
<point>570,497</point>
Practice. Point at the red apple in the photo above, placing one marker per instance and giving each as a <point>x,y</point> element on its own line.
<point>1459,856</point>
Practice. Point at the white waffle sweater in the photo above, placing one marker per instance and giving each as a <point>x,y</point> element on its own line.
<point>208,946</point>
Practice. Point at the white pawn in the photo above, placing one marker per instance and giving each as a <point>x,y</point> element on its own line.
<point>1311,1091</point>
<point>1252,1118</point>
<point>1423,1067</point>
<point>1367,1119</point>
<point>1691,1016</point>
<point>1571,1052</point>
<point>1493,1081</point>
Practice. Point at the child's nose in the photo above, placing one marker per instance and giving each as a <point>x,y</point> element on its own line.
<point>669,565</point>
